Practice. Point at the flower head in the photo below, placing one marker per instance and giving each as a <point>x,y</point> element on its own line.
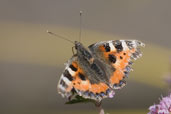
<point>111,94</point>
<point>164,107</point>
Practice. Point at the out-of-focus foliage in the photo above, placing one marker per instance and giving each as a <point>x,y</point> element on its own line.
<point>80,99</point>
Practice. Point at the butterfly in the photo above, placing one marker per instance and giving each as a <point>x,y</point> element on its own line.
<point>95,72</point>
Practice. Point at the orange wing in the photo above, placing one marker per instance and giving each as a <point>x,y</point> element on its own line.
<point>119,54</point>
<point>75,79</point>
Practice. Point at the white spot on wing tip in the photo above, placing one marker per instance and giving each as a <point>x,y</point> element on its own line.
<point>61,89</point>
<point>139,43</point>
<point>66,80</point>
<point>71,72</point>
<point>112,48</point>
<point>142,44</point>
<point>124,45</point>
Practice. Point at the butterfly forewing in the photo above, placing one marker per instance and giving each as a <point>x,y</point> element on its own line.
<point>118,54</point>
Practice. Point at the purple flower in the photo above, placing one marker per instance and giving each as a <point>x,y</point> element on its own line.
<point>164,107</point>
<point>111,94</point>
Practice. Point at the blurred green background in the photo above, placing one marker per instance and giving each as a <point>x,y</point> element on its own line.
<point>31,61</point>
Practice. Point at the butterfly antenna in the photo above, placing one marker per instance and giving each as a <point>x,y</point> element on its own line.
<point>80,26</point>
<point>59,36</point>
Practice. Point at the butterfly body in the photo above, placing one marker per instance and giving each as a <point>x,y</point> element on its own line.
<point>95,72</point>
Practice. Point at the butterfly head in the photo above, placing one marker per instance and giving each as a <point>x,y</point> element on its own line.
<point>82,51</point>
<point>78,45</point>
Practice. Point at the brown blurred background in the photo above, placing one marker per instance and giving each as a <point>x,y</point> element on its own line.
<point>31,61</point>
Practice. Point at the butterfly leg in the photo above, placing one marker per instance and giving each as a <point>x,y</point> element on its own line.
<point>73,50</point>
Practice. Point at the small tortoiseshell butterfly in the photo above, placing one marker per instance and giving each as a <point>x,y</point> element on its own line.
<point>95,73</point>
